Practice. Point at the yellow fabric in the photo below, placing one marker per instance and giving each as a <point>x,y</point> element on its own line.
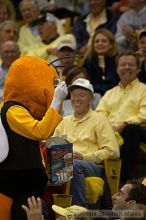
<point>1,103</point>
<point>69,212</point>
<point>119,138</point>
<point>91,136</point>
<point>101,62</point>
<point>94,21</point>
<point>94,189</point>
<point>60,27</point>
<point>124,104</point>
<point>144,181</point>
<point>20,121</point>
<point>26,38</point>
<point>5,207</point>
<point>40,48</point>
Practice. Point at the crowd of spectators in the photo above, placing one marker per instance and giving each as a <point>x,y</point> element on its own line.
<point>97,40</point>
<point>98,29</point>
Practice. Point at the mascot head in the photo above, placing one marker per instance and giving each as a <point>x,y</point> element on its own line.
<point>30,82</point>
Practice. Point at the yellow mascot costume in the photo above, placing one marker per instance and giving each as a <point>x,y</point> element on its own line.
<point>29,114</point>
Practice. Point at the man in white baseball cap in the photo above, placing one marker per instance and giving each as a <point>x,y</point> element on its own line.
<point>92,137</point>
<point>69,43</point>
<point>67,48</point>
<point>83,83</point>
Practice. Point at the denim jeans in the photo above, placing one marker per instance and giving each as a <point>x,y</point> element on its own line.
<point>82,169</point>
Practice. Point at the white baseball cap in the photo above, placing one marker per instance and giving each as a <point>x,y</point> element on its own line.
<point>83,83</point>
<point>70,43</point>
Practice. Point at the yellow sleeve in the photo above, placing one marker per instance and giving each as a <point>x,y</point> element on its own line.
<point>20,121</point>
<point>1,104</point>
<point>141,114</point>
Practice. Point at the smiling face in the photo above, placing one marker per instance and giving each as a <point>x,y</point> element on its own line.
<point>81,100</point>
<point>127,69</point>
<point>102,45</point>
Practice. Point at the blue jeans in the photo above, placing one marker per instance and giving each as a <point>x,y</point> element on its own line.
<point>82,169</point>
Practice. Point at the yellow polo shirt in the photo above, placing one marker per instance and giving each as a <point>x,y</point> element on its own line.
<point>91,136</point>
<point>124,104</point>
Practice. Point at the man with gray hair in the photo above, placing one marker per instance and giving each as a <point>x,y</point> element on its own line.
<point>92,137</point>
<point>28,32</point>
<point>9,51</point>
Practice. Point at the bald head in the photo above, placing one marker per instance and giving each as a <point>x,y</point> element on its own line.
<point>9,52</point>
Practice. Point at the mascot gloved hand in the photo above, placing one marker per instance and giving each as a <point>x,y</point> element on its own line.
<point>29,116</point>
<point>59,95</point>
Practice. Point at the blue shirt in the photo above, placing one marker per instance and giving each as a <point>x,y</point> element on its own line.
<point>3,73</point>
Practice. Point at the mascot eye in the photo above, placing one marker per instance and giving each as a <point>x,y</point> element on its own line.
<point>56,82</point>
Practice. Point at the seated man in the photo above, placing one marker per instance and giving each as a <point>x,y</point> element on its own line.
<point>92,137</point>
<point>50,39</point>
<point>125,107</point>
